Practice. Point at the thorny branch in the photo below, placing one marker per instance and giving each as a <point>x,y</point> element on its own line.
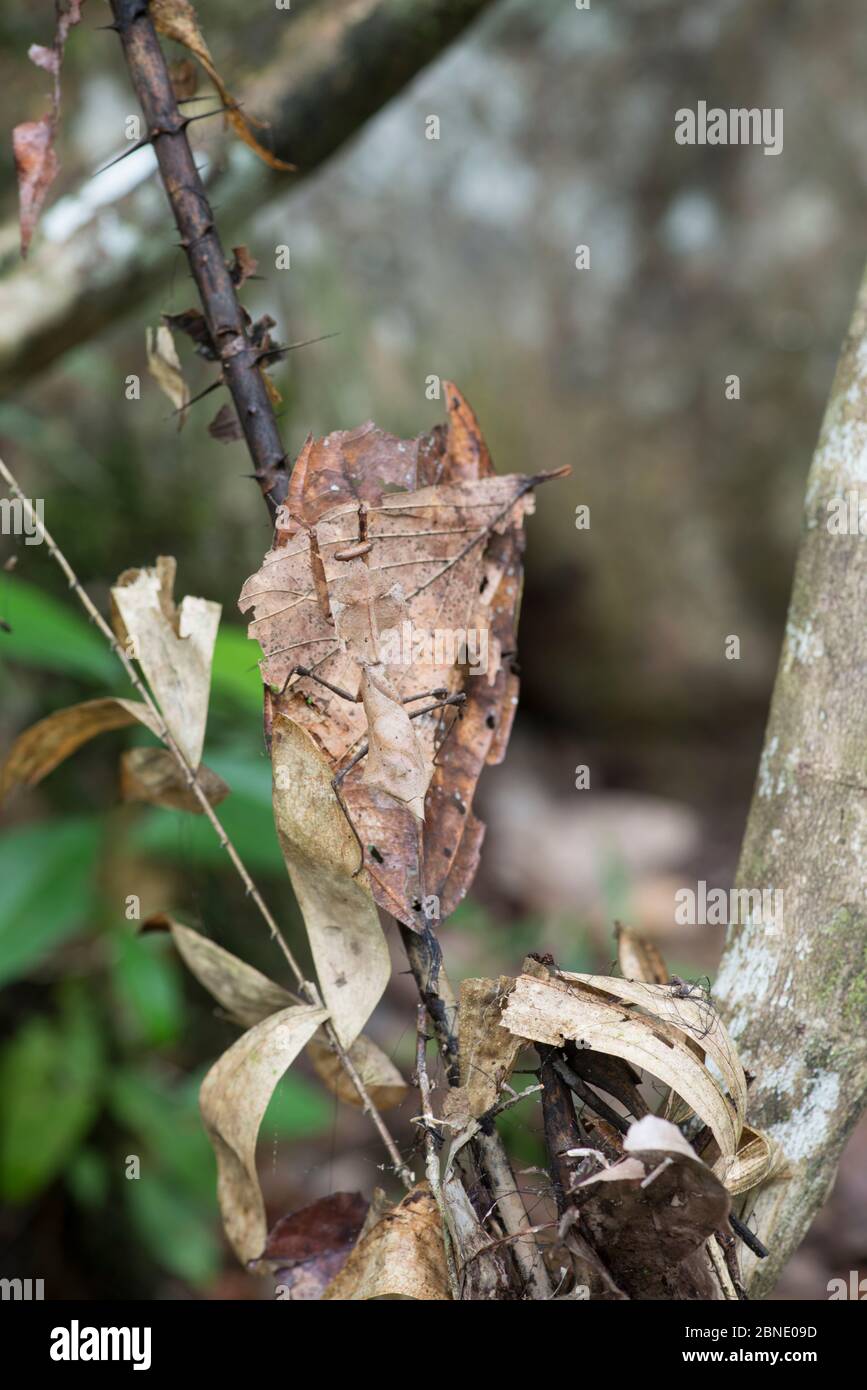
<point>306,987</point>
<point>226,320</point>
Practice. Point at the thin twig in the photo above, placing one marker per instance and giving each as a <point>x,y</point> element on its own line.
<point>432,1163</point>
<point>306,987</point>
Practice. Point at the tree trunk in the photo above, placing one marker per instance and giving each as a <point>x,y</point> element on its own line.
<point>795,995</point>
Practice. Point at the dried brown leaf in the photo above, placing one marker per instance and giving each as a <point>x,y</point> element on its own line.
<point>243,265</point>
<point>176,19</point>
<point>153,775</point>
<point>36,162</point>
<point>225,426</point>
<point>384,1083</point>
<point>307,1249</point>
<point>651,1213</point>
<point>46,744</point>
<point>36,168</point>
<point>184,77</point>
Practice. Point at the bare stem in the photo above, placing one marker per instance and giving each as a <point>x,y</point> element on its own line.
<point>432,1163</point>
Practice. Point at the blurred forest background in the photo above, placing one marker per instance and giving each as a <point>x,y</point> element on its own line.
<point>453,257</point>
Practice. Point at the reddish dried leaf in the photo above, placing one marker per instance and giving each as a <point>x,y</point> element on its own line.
<point>243,265</point>
<point>309,1248</point>
<point>36,162</point>
<point>36,167</point>
<point>224,425</point>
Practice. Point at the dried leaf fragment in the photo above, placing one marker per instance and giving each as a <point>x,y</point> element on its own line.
<point>383,1082</point>
<point>308,1248</point>
<point>651,1213</point>
<point>402,1257</point>
<point>154,776</point>
<point>36,162</point>
<point>244,992</point>
<point>173,645</point>
<point>164,366</point>
<point>177,20</point>
<point>46,744</point>
<point>321,853</point>
<point>233,1099</point>
<point>225,426</point>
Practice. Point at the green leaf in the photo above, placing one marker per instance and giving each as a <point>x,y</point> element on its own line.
<point>177,1232</point>
<point>87,1177</point>
<point>297,1110</point>
<point>246,814</point>
<point>147,983</point>
<point>49,1097</point>
<point>165,1121</point>
<point>235,672</point>
<point>53,636</point>
<point>47,888</point>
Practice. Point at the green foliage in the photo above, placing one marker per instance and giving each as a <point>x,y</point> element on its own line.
<point>147,985</point>
<point>47,888</point>
<point>50,1075</point>
<point>52,636</point>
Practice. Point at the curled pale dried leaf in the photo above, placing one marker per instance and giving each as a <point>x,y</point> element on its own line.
<point>760,1158</point>
<point>177,20</point>
<point>383,1082</point>
<point>401,1257</point>
<point>244,992</point>
<point>597,1012</point>
<point>174,646</point>
<point>154,776</point>
<point>164,366</point>
<point>46,744</point>
<point>233,1099</point>
<point>321,853</point>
